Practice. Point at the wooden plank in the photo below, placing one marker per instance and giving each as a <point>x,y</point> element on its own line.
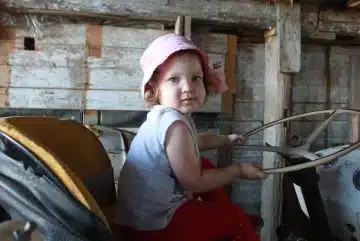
<point>179,25</point>
<point>323,35</point>
<point>274,104</point>
<point>51,56</point>
<point>230,75</point>
<point>355,98</point>
<point>227,104</point>
<point>58,34</point>
<point>73,99</point>
<point>6,46</point>
<point>338,22</point>
<point>290,42</point>
<point>210,42</point>
<point>183,26</point>
<point>249,13</point>
<point>230,62</point>
<point>64,69</point>
<point>334,16</point>
<point>130,37</point>
<point>58,75</point>
<point>94,36</point>
<point>129,58</point>
<point>345,28</point>
<point>70,56</point>
<point>187,27</point>
<point>62,66</point>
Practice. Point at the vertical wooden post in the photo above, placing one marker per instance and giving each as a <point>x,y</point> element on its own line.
<point>7,43</point>
<point>282,57</point>
<point>230,76</point>
<point>183,26</point>
<point>94,43</point>
<point>187,27</point>
<point>179,25</point>
<point>355,97</point>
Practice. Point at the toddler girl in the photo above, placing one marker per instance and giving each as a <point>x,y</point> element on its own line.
<point>166,191</point>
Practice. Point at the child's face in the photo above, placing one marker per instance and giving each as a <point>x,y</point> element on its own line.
<point>180,83</point>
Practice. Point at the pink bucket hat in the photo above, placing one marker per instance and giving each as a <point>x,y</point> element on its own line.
<point>164,46</point>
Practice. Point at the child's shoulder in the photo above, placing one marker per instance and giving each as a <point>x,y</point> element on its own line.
<point>163,113</point>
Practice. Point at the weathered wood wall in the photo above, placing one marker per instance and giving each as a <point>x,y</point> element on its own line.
<point>234,13</point>
<point>80,67</point>
<point>84,67</point>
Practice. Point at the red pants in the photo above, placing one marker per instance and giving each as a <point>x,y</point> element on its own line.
<point>213,218</point>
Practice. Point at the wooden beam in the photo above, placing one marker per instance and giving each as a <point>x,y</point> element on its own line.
<point>247,13</point>
<point>276,87</point>
<point>183,26</point>
<point>253,14</point>
<point>230,76</point>
<point>355,97</point>
<point>179,25</point>
<point>94,36</point>
<point>290,37</point>
<point>273,109</point>
<point>187,27</point>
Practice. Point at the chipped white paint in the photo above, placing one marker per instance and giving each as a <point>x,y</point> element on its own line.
<point>129,37</point>
<point>209,42</point>
<point>111,79</point>
<point>44,98</point>
<point>59,34</point>
<point>50,56</point>
<point>46,77</point>
<point>59,75</point>
<point>91,99</point>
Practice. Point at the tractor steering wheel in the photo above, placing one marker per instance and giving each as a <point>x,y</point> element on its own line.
<point>303,149</point>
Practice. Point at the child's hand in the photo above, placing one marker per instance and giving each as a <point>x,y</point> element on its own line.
<point>236,139</point>
<point>251,171</point>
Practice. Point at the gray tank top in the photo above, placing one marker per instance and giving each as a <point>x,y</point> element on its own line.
<point>148,191</point>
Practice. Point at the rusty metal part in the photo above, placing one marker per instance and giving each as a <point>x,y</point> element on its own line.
<point>303,149</point>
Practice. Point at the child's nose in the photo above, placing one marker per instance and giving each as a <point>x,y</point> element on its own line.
<point>188,85</point>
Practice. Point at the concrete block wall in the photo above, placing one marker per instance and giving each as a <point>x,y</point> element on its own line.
<point>323,83</point>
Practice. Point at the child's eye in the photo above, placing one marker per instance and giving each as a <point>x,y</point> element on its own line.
<point>196,78</point>
<point>174,79</point>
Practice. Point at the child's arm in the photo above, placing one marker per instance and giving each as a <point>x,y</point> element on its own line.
<point>181,153</point>
<point>208,141</point>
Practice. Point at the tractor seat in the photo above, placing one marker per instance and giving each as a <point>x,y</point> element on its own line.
<point>64,157</point>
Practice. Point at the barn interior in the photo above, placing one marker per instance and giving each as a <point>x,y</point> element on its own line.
<point>79,60</point>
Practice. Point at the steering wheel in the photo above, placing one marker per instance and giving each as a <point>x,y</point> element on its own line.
<point>303,149</point>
